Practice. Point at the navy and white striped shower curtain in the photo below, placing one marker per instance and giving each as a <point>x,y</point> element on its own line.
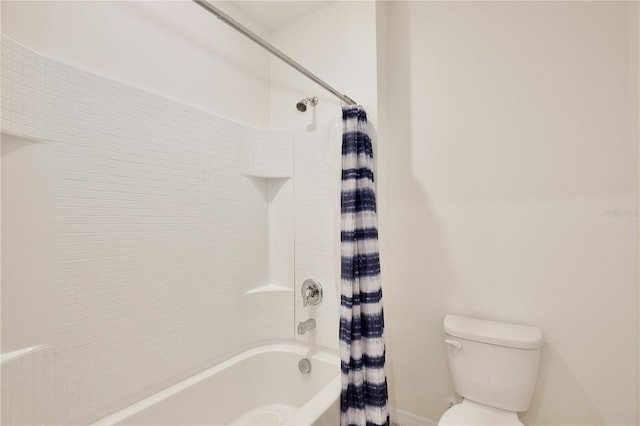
<point>362,349</point>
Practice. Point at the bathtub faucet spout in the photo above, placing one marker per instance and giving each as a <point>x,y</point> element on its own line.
<point>307,325</point>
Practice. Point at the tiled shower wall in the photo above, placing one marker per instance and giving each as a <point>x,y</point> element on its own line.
<point>317,228</point>
<point>151,208</point>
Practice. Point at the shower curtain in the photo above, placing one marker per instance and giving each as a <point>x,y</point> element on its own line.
<point>362,350</point>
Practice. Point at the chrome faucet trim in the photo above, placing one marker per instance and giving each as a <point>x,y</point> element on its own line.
<point>311,292</point>
<point>308,294</point>
<point>307,325</point>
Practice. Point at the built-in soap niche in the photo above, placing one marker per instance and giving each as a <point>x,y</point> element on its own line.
<point>27,192</point>
<point>277,193</point>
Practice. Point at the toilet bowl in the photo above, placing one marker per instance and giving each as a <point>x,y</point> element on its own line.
<point>470,413</point>
<point>494,367</point>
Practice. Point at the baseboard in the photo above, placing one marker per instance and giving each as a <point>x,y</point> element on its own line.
<point>406,418</point>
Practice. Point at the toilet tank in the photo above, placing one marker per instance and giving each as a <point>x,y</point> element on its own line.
<point>493,363</point>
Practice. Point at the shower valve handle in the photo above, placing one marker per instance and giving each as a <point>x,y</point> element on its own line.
<point>311,292</point>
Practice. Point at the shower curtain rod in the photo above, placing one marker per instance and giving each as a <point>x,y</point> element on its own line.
<point>254,37</point>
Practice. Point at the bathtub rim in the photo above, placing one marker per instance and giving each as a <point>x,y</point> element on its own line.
<point>309,413</point>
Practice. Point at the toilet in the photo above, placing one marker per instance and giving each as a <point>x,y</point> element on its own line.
<point>494,367</point>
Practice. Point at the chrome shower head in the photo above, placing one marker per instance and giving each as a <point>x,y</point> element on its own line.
<point>302,105</point>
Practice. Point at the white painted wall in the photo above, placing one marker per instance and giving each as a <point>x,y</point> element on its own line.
<point>338,44</point>
<point>174,49</point>
<point>508,145</point>
<point>344,55</point>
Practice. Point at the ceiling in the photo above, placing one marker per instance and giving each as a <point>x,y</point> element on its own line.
<point>272,15</point>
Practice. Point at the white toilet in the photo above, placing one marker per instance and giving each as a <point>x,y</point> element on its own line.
<point>494,367</point>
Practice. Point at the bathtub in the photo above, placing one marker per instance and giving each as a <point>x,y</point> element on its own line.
<point>261,386</point>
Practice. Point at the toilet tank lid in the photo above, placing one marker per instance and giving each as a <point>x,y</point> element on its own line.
<point>493,332</point>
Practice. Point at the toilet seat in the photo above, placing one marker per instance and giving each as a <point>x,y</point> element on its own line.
<point>472,413</point>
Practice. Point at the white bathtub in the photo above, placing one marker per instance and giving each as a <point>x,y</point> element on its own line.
<point>261,386</point>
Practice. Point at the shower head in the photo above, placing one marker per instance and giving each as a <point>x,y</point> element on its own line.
<point>302,105</point>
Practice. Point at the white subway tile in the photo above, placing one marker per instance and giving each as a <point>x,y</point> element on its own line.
<point>149,266</point>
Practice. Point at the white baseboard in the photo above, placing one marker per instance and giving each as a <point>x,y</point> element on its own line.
<point>406,418</point>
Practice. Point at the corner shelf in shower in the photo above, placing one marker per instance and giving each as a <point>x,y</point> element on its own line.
<point>268,184</point>
<point>269,288</point>
<point>268,176</point>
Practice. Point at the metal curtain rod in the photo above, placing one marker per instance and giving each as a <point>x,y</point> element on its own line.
<point>253,36</point>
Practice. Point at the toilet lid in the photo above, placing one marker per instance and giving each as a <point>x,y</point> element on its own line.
<point>471,413</point>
